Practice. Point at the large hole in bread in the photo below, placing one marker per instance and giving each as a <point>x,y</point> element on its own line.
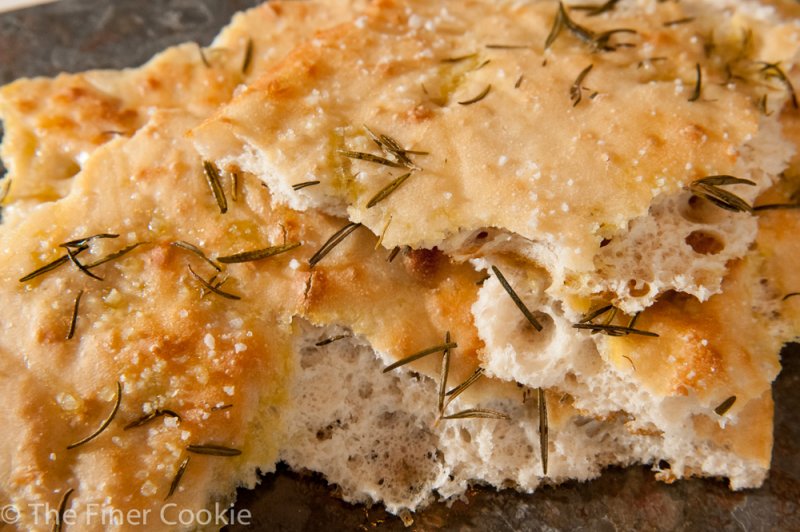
<point>705,242</point>
<point>701,211</point>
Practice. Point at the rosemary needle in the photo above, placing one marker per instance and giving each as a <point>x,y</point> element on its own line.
<point>698,84</point>
<point>74,260</point>
<point>726,405</point>
<point>613,330</point>
<point>197,251</point>
<point>458,390</point>
<point>304,184</point>
<point>105,423</point>
<point>478,413</point>
<point>62,508</point>
<point>479,97</point>
<point>444,373</point>
<point>74,320</point>
<point>47,267</point>
<point>80,242</point>
<point>330,340</point>
<point>544,431</point>
<point>387,190</point>
<point>213,450</point>
<point>115,255</point>
<point>257,254</point>
<point>369,157</point>
<point>147,418</point>
<point>248,56</point>
<point>178,476</point>
<point>212,176</point>
<point>708,188</point>
<point>214,289</point>
<point>420,354</point>
<point>332,242</point>
<point>515,298</point>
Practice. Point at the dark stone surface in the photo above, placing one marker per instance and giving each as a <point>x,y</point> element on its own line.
<point>73,35</point>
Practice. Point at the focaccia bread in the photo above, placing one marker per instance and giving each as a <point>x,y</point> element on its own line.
<point>52,125</point>
<point>294,369</point>
<point>590,166</point>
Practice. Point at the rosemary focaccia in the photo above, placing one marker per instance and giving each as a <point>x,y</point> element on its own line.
<point>230,331</point>
<point>115,383</point>
<point>53,124</point>
<point>578,132</point>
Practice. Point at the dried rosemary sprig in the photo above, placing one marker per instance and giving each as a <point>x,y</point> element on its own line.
<point>726,405</point>
<point>332,242</point>
<point>147,418</point>
<point>698,84</point>
<point>215,184</point>
<point>516,299</point>
<point>391,147</point>
<point>257,254</point>
<point>773,70</point>
<point>221,407</point>
<point>483,413</point>
<point>789,295</point>
<point>304,184</point>
<point>444,372</point>
<point>214,288</point>
<point>74,321</point>
<point>62,508</point>
<point>386,191</point>
<point>213,450</point>
<point>104,424</point>
<point>598,41</point>
<point>480,96</point>
<point>248,56</point>
<point>420,354</point>
<point>177,478</point>
<point>576,90</point>
<point>708,188</point>
<point>332,339</point>
<point>197,251</point>
<point>544,431</point>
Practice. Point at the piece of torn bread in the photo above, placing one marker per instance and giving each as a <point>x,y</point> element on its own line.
<point>295,406</point>
<point>589,167</point>
<point>53,124</point>
<point>149,325</point>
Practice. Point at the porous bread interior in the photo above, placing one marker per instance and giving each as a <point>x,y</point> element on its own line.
<point>375,435</point>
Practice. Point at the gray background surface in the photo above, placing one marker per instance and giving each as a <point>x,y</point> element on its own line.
<point>73,35</point>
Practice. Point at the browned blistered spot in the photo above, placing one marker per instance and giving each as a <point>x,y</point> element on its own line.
<point>420,113</point>
<point>27,106</point>
<point>153,83</point>
<point>695,133</point>
<point>424,264</point>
